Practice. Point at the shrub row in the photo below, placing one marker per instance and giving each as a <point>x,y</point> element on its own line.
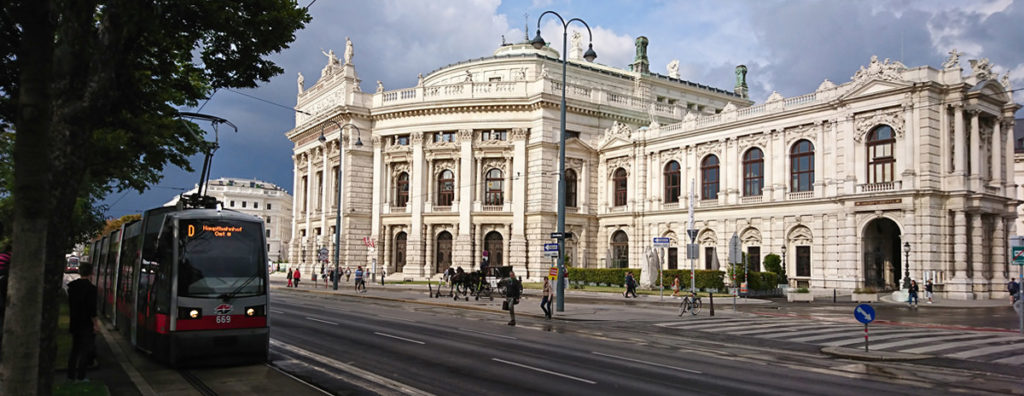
<point>759,280</point>
<point>705,279</point>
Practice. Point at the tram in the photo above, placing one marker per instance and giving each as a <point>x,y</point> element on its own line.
<point>188,286</point>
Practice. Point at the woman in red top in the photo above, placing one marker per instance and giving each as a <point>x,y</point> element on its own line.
<point>296,276</point>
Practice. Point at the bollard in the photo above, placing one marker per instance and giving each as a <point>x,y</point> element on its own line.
<point>430,289</point>
<point>711,298</point>
<point>833,296</point>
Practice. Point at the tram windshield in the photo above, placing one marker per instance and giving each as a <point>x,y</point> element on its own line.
<point>221,258</point>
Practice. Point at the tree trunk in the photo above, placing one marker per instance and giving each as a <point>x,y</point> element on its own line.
<point>32,170</point>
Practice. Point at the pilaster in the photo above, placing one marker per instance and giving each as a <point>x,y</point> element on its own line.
<point>414,264</point>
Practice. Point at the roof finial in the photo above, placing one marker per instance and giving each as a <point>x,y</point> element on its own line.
<point>526,26</point>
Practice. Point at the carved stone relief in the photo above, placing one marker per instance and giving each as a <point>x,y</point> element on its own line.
<point>704,149</point>
<point>518,134</point>
<point>616,163</point>
<point>759,140</point>
<point>800,235</point>
<point>865,122</point>
<point>801,132</point>
<point>442,165</point>
<point>464,135</point>
<point>879,71</point>
<point>751,237</point>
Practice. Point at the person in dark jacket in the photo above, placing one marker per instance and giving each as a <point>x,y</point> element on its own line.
<point>513,289</point>
<point>630,285</point>
<point>83,323</point>
<point>912,293</point>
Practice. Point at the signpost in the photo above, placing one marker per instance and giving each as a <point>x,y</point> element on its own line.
<point>865,314</point>
<point>321,254</point>
<point>1017,250</point>
<point>661,242</point>
<point>691,231</point>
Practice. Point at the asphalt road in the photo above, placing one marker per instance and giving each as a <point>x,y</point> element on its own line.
<point>350,345</point>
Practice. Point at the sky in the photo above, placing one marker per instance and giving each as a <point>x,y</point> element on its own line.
<point>788,46</point>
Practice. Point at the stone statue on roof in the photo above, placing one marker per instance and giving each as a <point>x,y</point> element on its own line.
<point>576,51</point>
<point>981,68</point>
<point>348,51</point>
<point>331,59</point>
<point>301,82</point>
<point>380,86</point>
<point>673,68</point>
<point>953,61</point>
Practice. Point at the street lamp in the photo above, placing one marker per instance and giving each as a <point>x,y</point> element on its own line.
<point>906,265</point>
<point>590,55</point>
<point>341,163</point>
<point>783,258</point>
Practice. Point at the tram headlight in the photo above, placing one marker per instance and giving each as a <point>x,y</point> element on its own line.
<point>255,310</point>
<point>189,313</point>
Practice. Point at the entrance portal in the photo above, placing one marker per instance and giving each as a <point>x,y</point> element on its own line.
<point>444,252</point>
<point>881,255</point>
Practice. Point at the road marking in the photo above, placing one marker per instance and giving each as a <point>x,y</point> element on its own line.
<point>490,334</point>
<point>915,341</point>
<point>277,312</point>
<point>951,345</point>
<point>544,371</point>
<point>400,338</point>
<point>321,321</point>
<point>648,363</point>
<point>372,381</point>
<point>1019,359</point>
<point>396,318</point>
<point>985,351</point>
<point>858,340</point>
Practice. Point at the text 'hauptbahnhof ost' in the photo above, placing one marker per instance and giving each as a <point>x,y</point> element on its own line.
<point>464,165</point>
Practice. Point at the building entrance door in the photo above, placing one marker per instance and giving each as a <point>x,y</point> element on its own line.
<point>444,252</point>
<point>881,254</point>
<point>399,253</point>
<point>493,244</point>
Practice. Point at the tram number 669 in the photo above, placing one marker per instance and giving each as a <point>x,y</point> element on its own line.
<point>223,318</point>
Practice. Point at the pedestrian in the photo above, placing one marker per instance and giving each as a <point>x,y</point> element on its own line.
<point>296,276</point>
<point>359,280</point>
<point>545,301</point>
<point>313,275</point>
<point>928,290</point>
<point>1013,288</point>
<point>675,287</point>
<point>82,323</point>
<point>289,274</point>
<point>512,293</point>
<point>323,275</point>
<point>630,285</point>
<point>912,294</point>
<point>348,274</point>
<point>383,274</point>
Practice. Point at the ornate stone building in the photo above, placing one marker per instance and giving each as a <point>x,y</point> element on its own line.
<point>465,165</point>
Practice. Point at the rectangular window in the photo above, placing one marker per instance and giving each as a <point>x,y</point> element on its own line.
<point>232,204</point>
<point>243,203</point>
<point>268,233</point>
<point>268,219</point>
<point>444,136</point>
<point>268,205</point>
<point>402,140</point>
<point>709,257</point>
<point>803,261</point>
<point>572,134</point>
<point>493,134</point>
<point>255,205</point>
<point>754,258</point>
<point>494,79</point>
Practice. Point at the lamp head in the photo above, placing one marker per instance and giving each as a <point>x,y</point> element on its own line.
<point>322,139</point>
<point>783,249</point>
<point>590,55</point>
<point>537,42</point>
<point>359,141</point>
<point>906,247</point>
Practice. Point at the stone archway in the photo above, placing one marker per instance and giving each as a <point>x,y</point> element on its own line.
<point>399,261</point>
<point>444,252</point>
<point>493,245</point>
<point>882,262</point>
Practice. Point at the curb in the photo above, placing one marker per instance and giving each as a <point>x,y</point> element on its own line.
<point>857,354</point>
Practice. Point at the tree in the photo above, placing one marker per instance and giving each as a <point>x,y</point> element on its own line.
<point>92,88</point>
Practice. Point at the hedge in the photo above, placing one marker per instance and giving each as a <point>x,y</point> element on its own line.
<point>759,280</point>
<point>705,279</point>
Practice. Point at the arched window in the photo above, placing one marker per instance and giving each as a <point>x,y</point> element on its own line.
<point>495,191</point>
<point>753,172</point>
<point>801,158</point>
<point>881,163</point>
<point>619,181</point>
<point>445,188</point>
<point>709,177</point>
<point>672,181</point>
<point>402,190</point>
<point>620,250</point>
<point>570,188</point>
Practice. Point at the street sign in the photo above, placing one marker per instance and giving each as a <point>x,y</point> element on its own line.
<point>735,252</point>
<point>322,254</point>
<point>553,273</point>
<point>1018,255</point>
<point>864,313</point>
<point>551,250</point>
<point>692,233</point>
<point>661,242</point>
<point>743,288</point>
<point>556,235</point>
<point>692,252</point>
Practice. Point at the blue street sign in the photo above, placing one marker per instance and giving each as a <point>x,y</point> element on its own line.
<point>864,313</point>
<point>551,250</point>
<point>661,242</point>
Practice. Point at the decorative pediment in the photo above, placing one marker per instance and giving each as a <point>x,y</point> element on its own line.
<point>704,149</point>
<point>442,165</point>
<point>616,163</point>
<point>707,238</point>
<point>751,237</point>
<point>867,121</point>
<point>774,97</point>
<point>617,132</point>
<point>756,140</point>
<point>873,87</point>
<point>800,235</point>
<point>399,168</point>
<point>887,71</point>
<point>800,132</point>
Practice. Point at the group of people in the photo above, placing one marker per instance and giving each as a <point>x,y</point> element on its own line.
<point>914,289</point>
<point>328,276</point>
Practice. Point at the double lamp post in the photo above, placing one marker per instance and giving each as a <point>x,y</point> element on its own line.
<point>341,165</point>
<point>590,55</point>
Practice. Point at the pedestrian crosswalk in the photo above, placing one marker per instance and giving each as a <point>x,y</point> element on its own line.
<point>985,346</point>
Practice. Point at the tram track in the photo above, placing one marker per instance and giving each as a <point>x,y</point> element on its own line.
<point>197,383</point>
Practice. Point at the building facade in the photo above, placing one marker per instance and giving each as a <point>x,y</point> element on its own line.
<point>259,198</point>
<point>463,167</point>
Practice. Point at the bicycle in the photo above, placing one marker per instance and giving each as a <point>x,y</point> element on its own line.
<point>690,305</point>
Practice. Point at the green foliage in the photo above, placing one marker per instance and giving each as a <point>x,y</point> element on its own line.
<point>802,290</point>
<point>865,290</point>
<point>757,280</point>
<point>617,276</point>
<point>773,263</point>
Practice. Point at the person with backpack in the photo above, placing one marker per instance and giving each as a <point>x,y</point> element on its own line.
<point>513,289</point>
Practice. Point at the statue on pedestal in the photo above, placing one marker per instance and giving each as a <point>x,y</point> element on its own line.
<point>301,81</point>
<point>348,51</point>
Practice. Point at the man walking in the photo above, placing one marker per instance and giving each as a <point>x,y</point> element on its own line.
<point>1013,288</point>
<point>83,323</point>
<point>512,287</point>
<point>545,301</point>
<point>359,280</point>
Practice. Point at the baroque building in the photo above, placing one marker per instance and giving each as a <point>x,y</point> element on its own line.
<point>463,167</point>
<point>258,198</point>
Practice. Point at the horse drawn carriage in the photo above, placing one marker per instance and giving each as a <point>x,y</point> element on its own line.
<point>481,283</point>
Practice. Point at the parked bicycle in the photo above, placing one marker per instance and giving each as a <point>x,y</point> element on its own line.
<point>691,304</point>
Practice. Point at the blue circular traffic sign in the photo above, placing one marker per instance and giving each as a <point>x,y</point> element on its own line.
<point>864,313</point>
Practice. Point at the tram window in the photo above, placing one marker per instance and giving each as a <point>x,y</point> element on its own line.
<point>221,257</point>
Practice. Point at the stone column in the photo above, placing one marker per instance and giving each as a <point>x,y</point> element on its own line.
<point>478,248</point>
<point>999,259</point>
<point>906,165</point>
<point>517,254</point>
<point>414,245</point>
<point>463,249</point>
<point>388,181</point>
<point>959,144</point>
<point>456,203</point>
<point>959,285</point>
<point>583,192</point>
<point>376,195</point>
<point>978,272</point>
<point>846,128</point>
<point>429,185</point>
<point>976,171</point>
<point>819,160</point>
<point>781,178</point>
<point>428,265</point>
<point>506,195</point>
<point>723,171</point>
<point>997,154</point>
<point>1008,148</point>
<point>296,239</point>
<point>310,237</point>
<point>505,246</point>
<point>387,241</point>
<point>481,185</point>
<point>324,169</point>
